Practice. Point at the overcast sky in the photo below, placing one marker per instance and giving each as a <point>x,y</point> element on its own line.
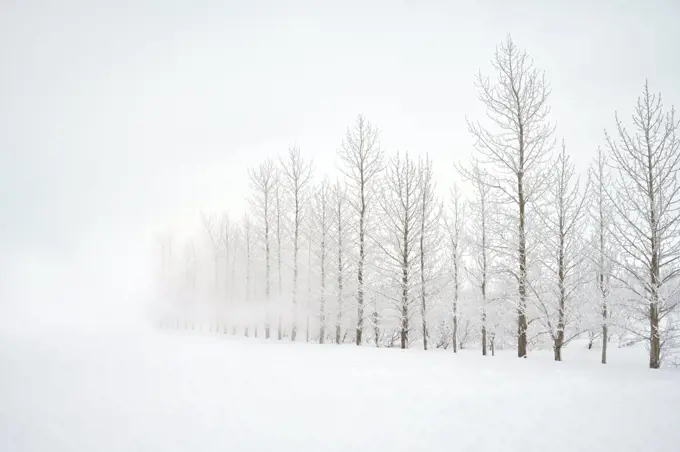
<point>121,118</point>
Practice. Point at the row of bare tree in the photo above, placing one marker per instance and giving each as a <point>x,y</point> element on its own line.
<point>521,251</point>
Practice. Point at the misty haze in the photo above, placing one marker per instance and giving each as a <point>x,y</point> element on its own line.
<point>339,226</point>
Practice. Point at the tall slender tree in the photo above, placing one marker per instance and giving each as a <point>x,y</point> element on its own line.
<point>564,221</point>
<point>213,232</point>
<point>518,144</point>
<point>361,161</point>
<point>278,213</point>
<point>454,226</point>
<point>601,216</point>
<point>296,174</point>
<point>480,243</point>
<point>263,180</point>
<point>399,238</point>
<point>339,199</point>
<point>248,239</point>
<point>226,244</point>
<point>308,308</point>
<point>323,220</point>
<point>429,240</point>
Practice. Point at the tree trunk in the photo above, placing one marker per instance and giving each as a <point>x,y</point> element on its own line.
<point>338,317</point>
<point>655,339</point>
<point>322,301</point>
<point>455,278</point>
<point>605,336</point>
<point>247,270</point>
<point>376,327</point>
<point>557,348</point>
<point>278,257</point>
<point>360,274</point>
<point>603,290</point>
<point>227,289</point>
<point>309,288</point>
<point>561,320</point>
<point>423,300</point>
<point>455,307</point>
<point>404,308</point>
<point>293,331</point>
<point>484,332</point>
<point>521,308</point>
<point>267,326</point>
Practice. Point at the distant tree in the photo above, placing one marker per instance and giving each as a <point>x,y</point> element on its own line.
<point>214,234</point>
<point>248,239</point>
<point>238,249</point>
<point>263,181</point>
<point>190,273</point>
<point>309,287</point>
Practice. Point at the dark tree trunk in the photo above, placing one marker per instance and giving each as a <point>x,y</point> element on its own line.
<point>558,351</point>
<point>521,308</point>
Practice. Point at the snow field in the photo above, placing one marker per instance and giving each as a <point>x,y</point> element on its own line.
<point>179,391</point>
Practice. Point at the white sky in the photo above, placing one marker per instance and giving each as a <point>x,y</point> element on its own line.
<point>119,117</point>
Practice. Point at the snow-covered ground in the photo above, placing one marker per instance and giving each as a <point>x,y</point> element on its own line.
<point>176,391</point>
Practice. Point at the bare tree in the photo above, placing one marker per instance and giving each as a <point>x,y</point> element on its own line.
<point>362,162</point>
<point>220,237</point>
<point>375,321</point>
<point>479,238</point>
<point>647,211</point>
<point>454,226</point>
<point>339,199</point>
<point>399,238</point>
<point>565,223</point>
<point>214,233</point>
<point>323,220</point>
<point>248,238</point>
<point>518,147</point>
<point>429,240</point>
<point>236,248</point>
<point>309,284</point>
<point>190,264</point>
<point>278,215</point>
<point>296,176</point>
<point>226,244</point>
<point>263,180</point>
<point>601,215</point>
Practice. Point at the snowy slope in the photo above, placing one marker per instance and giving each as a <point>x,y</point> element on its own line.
<point>179,392</point>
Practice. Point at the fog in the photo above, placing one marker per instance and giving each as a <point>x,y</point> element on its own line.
<point>121,121</point>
